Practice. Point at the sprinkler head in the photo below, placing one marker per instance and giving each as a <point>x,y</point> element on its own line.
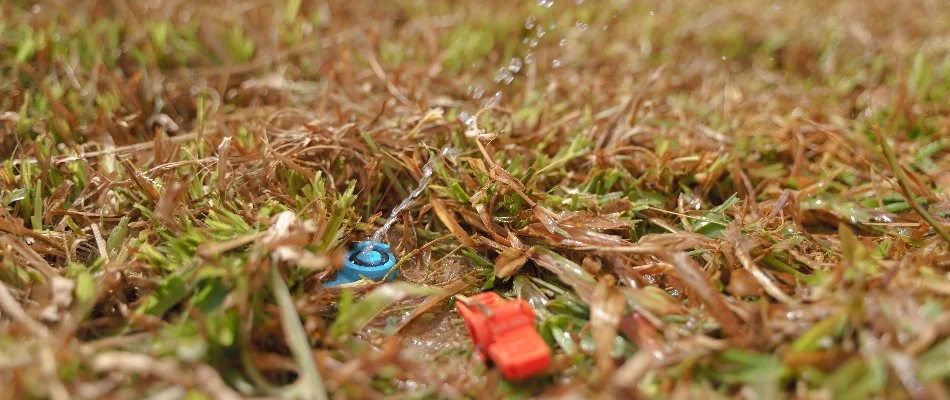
<point>374,264</point>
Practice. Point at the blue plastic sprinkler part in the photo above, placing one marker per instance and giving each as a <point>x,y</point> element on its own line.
<point>374,264</point>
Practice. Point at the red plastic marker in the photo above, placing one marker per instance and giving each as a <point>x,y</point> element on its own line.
<point>504,333</point>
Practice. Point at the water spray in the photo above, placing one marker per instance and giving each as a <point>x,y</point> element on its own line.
<point>374,259</point>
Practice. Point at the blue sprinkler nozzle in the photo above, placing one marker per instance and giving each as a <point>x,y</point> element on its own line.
<point>374,264</point>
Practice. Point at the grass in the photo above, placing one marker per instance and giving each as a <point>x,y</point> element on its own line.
<point>729,200</point>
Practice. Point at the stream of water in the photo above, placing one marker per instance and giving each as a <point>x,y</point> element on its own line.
<point>447,152</point>
<point>505,75</point>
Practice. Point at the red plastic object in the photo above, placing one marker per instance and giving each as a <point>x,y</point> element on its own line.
<point>504,333</point>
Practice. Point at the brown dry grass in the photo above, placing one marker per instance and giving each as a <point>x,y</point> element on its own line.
<point>701,199</point>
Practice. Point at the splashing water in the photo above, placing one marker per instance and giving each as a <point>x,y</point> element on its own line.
<point>446,152</point>
<point>504,75</point>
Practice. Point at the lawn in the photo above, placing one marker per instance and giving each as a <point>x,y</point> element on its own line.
<point>700,199</point>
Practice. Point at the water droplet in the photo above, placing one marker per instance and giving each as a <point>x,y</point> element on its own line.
<point>652,13</point>
<point>504,75</point>
<point>515,65</point>
<point>581,26</point>
<point>494,100</point>
<point>529,58</point>
<point>578,2</point>
<point>563,42</point>
<point>552,27</point>
<point>540,31</point>
<point>556,63</point>
<point>466,118</point>
<point>724,58</point>
<point>882,218</point>
<point>476,92</point>
<point>797,112</point>
<point>533,42</point>
<point>529,23</point>
<point>691,323</point>
<point>546,3</point>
